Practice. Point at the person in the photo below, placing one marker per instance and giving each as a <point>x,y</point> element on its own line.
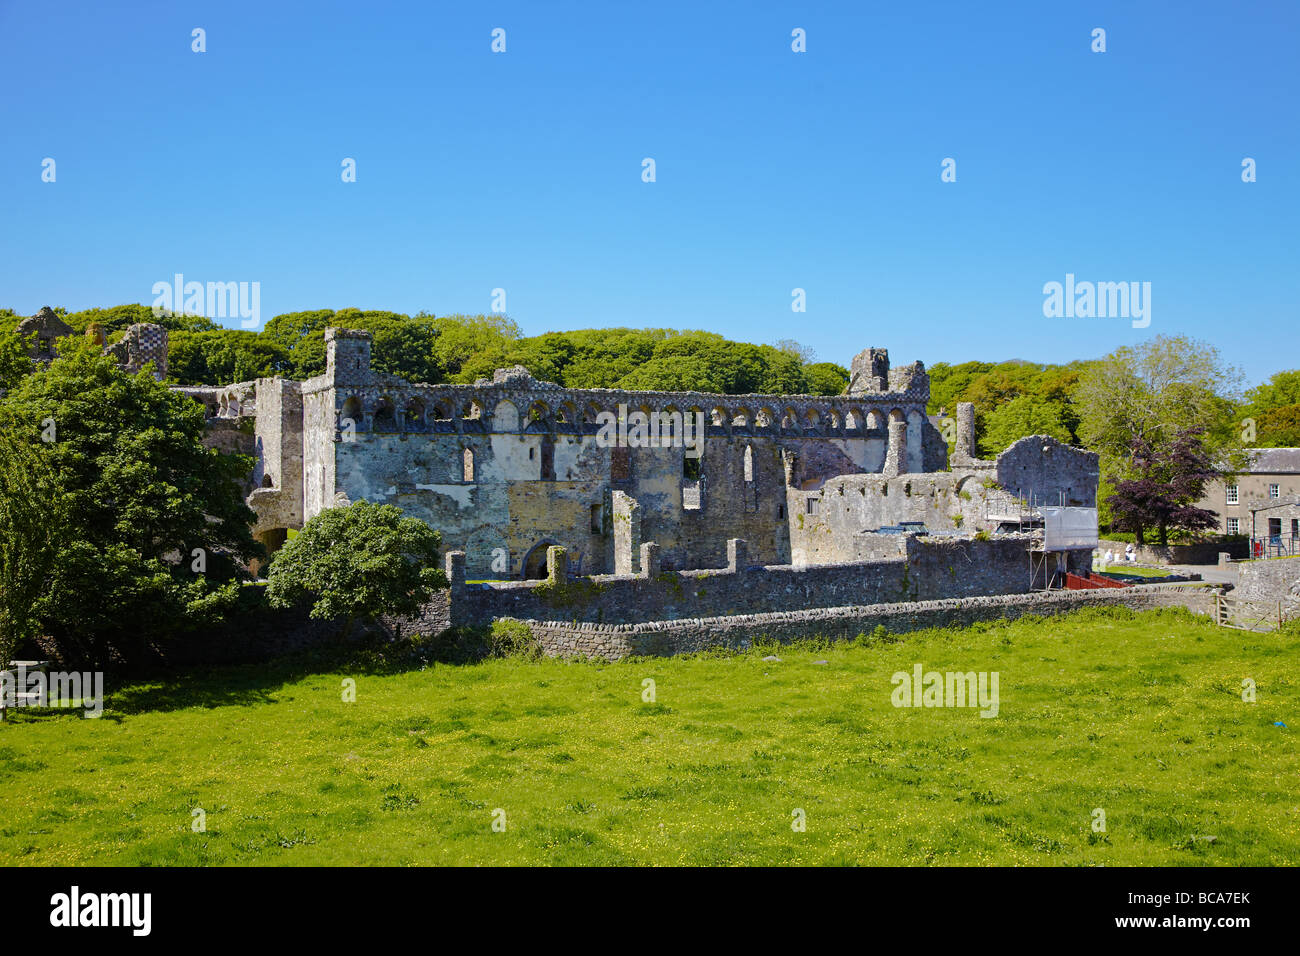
<point>1130,553</point>
<point>1110,558</point>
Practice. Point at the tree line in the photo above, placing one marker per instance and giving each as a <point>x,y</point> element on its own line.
<point>459,349</point>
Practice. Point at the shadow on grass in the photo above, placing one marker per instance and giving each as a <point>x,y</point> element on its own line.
<point>247,684</point>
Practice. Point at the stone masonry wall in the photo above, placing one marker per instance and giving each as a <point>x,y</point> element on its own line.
<point>663,638</point>
<point>1267,582</point>
<point>924,569</point>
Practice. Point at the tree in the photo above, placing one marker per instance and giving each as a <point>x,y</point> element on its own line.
<point>31,526</point>
<point>15,363</point>
<point>1153,392</point>
<point>1279,427</point>
<point>1282,388</point>
<point>1165,487</point>
<point>357,562</point>
<point>1021,416</point>
<point>826,378</point>
<point>157,528</point>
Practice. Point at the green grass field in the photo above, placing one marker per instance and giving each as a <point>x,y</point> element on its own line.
<point>1140,716</point>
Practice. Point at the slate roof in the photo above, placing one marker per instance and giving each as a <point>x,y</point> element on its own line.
<point>1274,461</point>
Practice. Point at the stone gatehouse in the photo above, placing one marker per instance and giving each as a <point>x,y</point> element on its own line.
<point>506,468</point>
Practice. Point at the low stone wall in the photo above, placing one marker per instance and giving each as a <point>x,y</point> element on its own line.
<point>663,638</point>
<point>1204,553</point>
<point>928,568</point>
<point>1269,581</point>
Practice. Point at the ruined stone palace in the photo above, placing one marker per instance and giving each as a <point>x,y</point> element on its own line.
<point>506,468</point>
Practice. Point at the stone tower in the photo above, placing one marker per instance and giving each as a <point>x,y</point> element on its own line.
<point>870,372</point>
<point>347,356</point>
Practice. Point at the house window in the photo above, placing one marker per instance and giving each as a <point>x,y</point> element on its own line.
<point>1275,527</point>
<point>1232,494</point>
<point>1234,526</point>
<point>1295,527</point>
<point>813,504</point>
<point>1274,491</point>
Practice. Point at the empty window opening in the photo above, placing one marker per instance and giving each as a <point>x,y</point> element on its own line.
<point>467,465</point>
<point>691,467</point>
<point>749,463</point>
<point>548,458</point>
<point>813,505</point>
<point>595,519</point>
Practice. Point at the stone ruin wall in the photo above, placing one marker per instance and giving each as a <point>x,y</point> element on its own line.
<point>804,480</point>
<point>541,478</point>
<point>979,497</point>
<point>909,568</point>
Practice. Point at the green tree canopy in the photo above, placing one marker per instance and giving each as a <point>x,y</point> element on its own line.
<point>356,563</point>
<point>141,493</point>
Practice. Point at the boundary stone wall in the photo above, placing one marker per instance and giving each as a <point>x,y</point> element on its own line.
<point>665,638</point>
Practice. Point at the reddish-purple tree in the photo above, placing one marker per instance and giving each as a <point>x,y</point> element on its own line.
<point>1165,489</point>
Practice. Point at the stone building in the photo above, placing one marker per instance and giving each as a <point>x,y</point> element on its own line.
<point>509,466</point>
<point>1260,501</point>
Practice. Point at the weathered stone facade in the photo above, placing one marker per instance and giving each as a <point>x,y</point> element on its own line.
<point>776,504</point>
<point>507,467</point>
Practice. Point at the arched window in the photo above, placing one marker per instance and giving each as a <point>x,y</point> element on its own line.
<point>749,463</point>
<point>467,465</point>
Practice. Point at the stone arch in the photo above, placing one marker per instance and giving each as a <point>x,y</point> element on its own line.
<point>764,418</point>
<point>534,564</point>
<point>385,416</point>
<point>505,417</point>
<point>834,422</point>
<point>539,416</point>
<point>670,424</point>
<point>812,420</point>
<point>790,419</point>
<point>741,418</point>
<point>719,417</point>
<point>351,411</point>
<point>896,415</point>
<point>472,410</point>
<point>414,419</point>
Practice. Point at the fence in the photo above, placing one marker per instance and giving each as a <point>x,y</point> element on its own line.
<point>1275,546</point>
<point>1249,615</point>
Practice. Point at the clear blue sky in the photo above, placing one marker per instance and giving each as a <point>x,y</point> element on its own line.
<point>775,170</point>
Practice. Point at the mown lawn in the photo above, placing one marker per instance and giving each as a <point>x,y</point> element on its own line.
<point>1137,715</point>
